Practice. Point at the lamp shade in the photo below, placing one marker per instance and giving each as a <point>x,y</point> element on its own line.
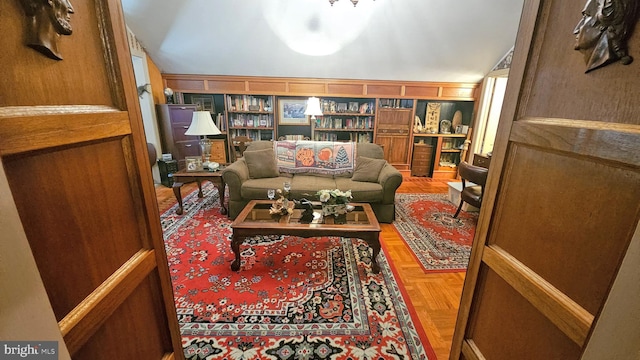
<point>202,124</point>
<point>313,107</point>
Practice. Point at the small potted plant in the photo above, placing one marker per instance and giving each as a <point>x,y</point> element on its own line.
<point>334,203</point>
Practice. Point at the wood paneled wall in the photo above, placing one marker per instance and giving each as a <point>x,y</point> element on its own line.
<point>214,84</point>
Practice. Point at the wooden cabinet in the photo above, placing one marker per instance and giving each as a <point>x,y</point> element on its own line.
<point>393,130</point>
<point>218,151</point>
<point>421,160</point>
<point>174,120</point>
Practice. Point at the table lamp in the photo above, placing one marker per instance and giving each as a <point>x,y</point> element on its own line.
<point>313,107</point>
<point>202,125</point>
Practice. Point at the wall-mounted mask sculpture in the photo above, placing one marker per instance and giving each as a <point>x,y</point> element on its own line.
<point>47,20</point>
<point>603,31</point>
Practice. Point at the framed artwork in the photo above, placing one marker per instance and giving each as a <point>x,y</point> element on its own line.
<point>353,106</point>
<point>432,118</point>
<point>193,163</point>
<point>291,112</point>
<point>204,103</point>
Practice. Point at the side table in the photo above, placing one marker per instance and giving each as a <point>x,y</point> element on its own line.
<point>181,177</point>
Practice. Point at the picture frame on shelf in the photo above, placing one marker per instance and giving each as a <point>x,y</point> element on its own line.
<point>204,103</point>
<point>193,163</point>
<point>353,106</point>
<point>462,129</point>
<point>291,112</point>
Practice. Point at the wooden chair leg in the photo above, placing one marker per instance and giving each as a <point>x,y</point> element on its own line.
<point>459,208</point>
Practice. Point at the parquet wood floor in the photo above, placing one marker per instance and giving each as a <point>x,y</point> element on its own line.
<point>435,296</point>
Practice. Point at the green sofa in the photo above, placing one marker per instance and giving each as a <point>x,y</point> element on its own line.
<point>380,192</point>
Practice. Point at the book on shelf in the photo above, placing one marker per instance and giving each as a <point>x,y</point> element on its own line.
<point>248,103</point>
<point>294,137</point>
<point>221,124</point>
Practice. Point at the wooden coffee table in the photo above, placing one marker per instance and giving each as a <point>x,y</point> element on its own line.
<point>183,176</point>
<point>256,220</point>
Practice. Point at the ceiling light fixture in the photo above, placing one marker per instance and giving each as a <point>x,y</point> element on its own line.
<point>354,2</point>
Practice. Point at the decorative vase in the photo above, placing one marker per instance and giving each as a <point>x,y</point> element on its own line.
<point>334,209</point>
<point>338,211</point>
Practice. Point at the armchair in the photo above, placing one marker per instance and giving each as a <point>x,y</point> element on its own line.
<point>471,194</point>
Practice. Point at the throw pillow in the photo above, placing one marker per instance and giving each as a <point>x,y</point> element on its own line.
<point>367,169</point>
<point>261,163</point>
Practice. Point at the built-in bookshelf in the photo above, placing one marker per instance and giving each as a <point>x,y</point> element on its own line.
<point>396,103</point>
<point>345,119</point>
<point>445,126</point>
<point>250,116</point>
<point>388,113</point>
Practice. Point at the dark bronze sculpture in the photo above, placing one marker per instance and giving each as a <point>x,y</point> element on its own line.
<point>47,21</point>
<point>307,215</point>
<point>603,31</point>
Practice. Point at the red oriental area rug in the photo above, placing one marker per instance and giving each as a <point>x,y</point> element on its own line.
<point>439,242</point>
<point>293,298</point>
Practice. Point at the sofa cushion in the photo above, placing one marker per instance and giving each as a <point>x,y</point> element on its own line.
<point>367,169</point>
<point>257,188</point>
<point>361,191</point>
<point>261,163</point>
<point>306,186</point>
<point>370,150</point>
<point>259,145</point>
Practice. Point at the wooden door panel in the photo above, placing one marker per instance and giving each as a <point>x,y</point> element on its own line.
<point>137,317</point>
<point>73,225</point>
<point>395,148</point>
<point>561,202</point>
<point>559,242</point>
<point>73,149</point>
<point>548,74</point>
<point>394,119</point>
<point>80,78</point>
<point>507,326</point>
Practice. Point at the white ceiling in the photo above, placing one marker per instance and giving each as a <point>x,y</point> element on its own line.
<point>410,40</point>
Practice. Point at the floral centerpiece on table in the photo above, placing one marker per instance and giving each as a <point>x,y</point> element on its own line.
<point>334,202</point>
<point>281,206</point>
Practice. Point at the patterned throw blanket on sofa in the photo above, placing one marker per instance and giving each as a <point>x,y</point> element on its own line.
<point>318,157</point>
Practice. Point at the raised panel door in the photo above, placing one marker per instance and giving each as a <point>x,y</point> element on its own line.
<point>90,229</point>
<point>395,148</point>
<point>558,227</point>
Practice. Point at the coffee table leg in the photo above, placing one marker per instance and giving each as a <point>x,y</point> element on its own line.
<point>176,192</point>
<point>236,240</point>
<point>374,243</point>
<point>200,194</point>
<point>220,185</point>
